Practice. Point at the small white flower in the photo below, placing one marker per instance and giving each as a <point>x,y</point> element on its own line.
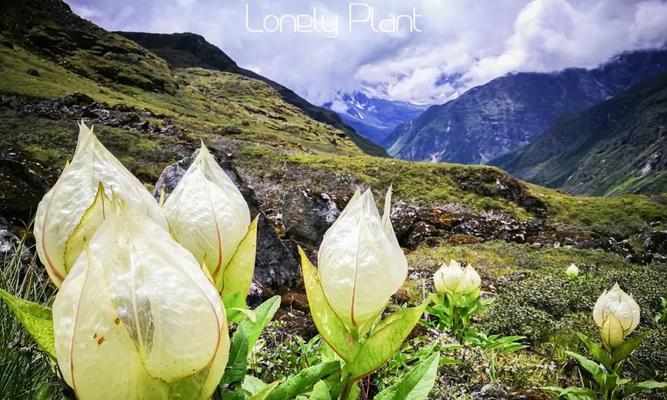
<point>617,314</point>
<point>572,271</point>
<point>454,279</point>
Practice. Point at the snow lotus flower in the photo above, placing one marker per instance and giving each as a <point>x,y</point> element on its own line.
<point>360,262</point>
<point>136,318</point>
<point>65,218</point>
<point>455,280</point>
<point>208,215</point>
<point>617,314</point>
<point>572,271</point>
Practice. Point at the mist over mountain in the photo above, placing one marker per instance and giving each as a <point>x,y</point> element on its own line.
<point>372,117</point>
<point>509,112</point>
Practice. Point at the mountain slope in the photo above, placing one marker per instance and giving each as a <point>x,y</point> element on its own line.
<point>490,120</point>
<point>617,146</point>
<point>285,158</point>
<point>373,118</point>
<point>50,29</point>
<point>184,50</point>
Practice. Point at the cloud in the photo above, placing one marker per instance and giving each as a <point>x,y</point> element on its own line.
<point>461,43</point>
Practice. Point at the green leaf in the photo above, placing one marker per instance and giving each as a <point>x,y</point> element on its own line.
<point>385,342</point>
<point>627,347</point>
<point>609,383</point>
<point>552,389</point>
<point>238,359</point>
<point>238,273</point>
<point>36,319</point>
<point>264,393</point>
<point>235,393</point>
<point>303,381</point>
<point>248,313</point>
<point>320,391</point>
<point>91,220</point>
<point>579,393</point>
<point>330,327</point>
<point>44,392</point>
<point>416,384</point>
<point>632,388</point>
<point>253,385</point>
<point>263,315</point>
<point>572,392</point>
<point>590,366</point>
<point>234,302</point>
<point>598,353</point>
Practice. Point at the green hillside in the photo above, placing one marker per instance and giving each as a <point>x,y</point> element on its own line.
<point>615,147</point>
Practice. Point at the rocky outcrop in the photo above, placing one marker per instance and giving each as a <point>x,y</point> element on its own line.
<point>416,225</point>
<point>78,106</point>
<point>21,187</point>
<point>275,264</point>
<point>307,216</point>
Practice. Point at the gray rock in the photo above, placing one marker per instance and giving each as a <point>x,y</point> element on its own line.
<point>306,216</point>
<point>9,244</point>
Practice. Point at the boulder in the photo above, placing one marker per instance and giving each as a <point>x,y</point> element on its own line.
<point>306,216</point>
<point>21,188</point>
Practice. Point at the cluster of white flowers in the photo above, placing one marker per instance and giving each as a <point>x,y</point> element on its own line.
<point>136,315</point>
<point>139,315</point>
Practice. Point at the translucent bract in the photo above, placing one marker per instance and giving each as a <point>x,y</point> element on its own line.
<point>207,214</point>
<point>617,314</point>
<point>136,318</point>
<point>360,262</point>
<point>61,212</point>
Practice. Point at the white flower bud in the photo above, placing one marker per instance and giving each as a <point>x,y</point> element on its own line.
<point>617,314</point>
<point>572,271</point>
<point>136,318</point>
<point>360,262</point>
<point>60,227</point>
<point>454,279</point>
<point>207,214</point>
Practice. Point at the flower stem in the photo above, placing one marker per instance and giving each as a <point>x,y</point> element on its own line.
<point>347,389</point>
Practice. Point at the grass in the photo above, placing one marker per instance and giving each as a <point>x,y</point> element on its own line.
<point>25,371</point>
<point>534,298</point>
<point>477,188</point>
<point>205,102</point>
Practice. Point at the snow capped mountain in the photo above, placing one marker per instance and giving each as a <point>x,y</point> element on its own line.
<point>372,117</point>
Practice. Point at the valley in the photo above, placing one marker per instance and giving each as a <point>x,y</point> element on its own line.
<point>154,98</point>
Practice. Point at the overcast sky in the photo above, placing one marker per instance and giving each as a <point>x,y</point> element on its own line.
<point>451,45</point>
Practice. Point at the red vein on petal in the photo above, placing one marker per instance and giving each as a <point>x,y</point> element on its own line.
<point>49,262</point>
<point>356,268</point>
<point>219,239</point>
